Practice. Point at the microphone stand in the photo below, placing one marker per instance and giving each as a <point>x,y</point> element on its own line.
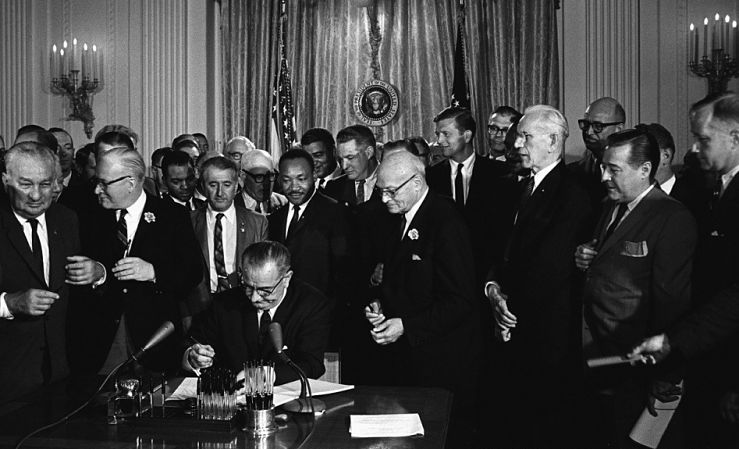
<point>306,403</point>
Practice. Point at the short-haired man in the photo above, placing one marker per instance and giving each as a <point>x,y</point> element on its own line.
<point>235,327</point>
<point>66,156</point>
<point>156,169</point>
<point>602,118</point>
<point>320,144</point>
<point>187,144</point>
<point>152,260</point>
<point>532,287</point>
<point>499,123</point>
<point>223,229</point>
<point>179,177</point>
<point>237,147</point>
<point>356,151</point>
<point>257,177</point>
<point>37,240</point>
<point>316,230</point>
<point>202,142</point>
<point>638,280</point>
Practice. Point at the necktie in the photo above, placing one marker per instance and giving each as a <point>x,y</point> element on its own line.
<point>258,208</point>
<point>459,187</point>
<point>293,221</point>
<point>321,183</point>
<point>264,323</point>
<point>622,207</point>
<point>188,204</point>
<point>122,233</point>
<point>36,244</point>
<point>360,191</point>
<point>218,255</point>
<point>526,191</point>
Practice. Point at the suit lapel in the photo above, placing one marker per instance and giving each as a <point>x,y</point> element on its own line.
<point>241,235</point>
<point>57,261</point>
<point>634,217</point>
<point>18,239</point>
<point>201,231</point>
<point>406,244</point>
<point>446,186</point>
<point>143,236</point>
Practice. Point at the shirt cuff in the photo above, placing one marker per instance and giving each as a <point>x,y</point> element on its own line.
<point>4,311</point>
<point>186,363</point>
<point>100,281</point>
<point>488,284</point>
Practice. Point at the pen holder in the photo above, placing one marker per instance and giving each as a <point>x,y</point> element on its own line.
<point>259,410</point>
<point>260,422</point>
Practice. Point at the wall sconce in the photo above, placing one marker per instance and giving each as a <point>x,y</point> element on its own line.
<point>77,73</point>
<point>718,63</point>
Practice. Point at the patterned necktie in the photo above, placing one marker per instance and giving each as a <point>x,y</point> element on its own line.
<point>459,187</point>
<point>360,191</point>
<point>36,244</point>
<point>293,221</point>
<point>402,226</point>
<point>122,233</point>
<point>528,189</point>
<point>622,208</point>
<point>218,255</point>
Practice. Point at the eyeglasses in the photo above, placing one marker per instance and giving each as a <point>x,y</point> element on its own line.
<point>105,184</point>
<point>263,292</point>
<point>597,126</point>
<point>492,129</point>
<point>271,176</point>
<point>392,192</point>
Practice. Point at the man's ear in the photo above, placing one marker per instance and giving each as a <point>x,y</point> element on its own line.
<point>369,151</point>
<point>646,168</point>
<point>467,136</point>
<point>734,133</point>
<point>665,157</point>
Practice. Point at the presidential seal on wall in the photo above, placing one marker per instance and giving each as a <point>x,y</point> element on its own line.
<point>375,103</point>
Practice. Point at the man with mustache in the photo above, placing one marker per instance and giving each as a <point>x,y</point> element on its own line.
<point>315,229</point>
<point>602,118</point>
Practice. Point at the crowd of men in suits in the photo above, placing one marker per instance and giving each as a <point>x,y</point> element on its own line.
<point>494,273</point>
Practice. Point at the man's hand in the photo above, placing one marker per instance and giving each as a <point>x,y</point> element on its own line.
<point>133,269</point>
<point>277,200</point>
<point>32,302</point>
<point>503,317</point>
<point>373,313</point>
<point>389,331</point>
<point>663,391</point>
<point>82,270</point>
<point>200,356</point>
<point>653,349</point>
<point>729,406</point>
<point>585,253</point>
<point>376,278</point>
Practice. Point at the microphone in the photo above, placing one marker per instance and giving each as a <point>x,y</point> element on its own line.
<point>306,403</point>
<point>164,331</point>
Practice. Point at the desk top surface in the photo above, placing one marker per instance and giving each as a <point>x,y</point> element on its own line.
<point>330,430</point>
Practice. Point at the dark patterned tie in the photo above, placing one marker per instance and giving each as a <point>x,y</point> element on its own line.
<point>293,221</point>
<point>622,208</point>
<point>360,191</point>
<point>459,187</point>
<point>121,233</point>
<point>528,189</point>
<point>218,255</point>
<point>36,245</point>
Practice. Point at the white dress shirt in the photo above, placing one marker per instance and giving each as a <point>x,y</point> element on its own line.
<point>668,185</point>
<point>467,167</point>
<point>369,185</point>
<point>133,216</point>
<point>629,207</point>
<point>726,179</point>
<point>412,211</point>
<point>228,238</point>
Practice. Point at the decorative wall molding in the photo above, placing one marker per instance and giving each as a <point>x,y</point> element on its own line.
<point>110,58</point>
<point>16,87</point>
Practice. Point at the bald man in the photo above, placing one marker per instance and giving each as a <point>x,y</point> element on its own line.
<point>427,321</point>
<point>604,116</point>
<point>257,176</point>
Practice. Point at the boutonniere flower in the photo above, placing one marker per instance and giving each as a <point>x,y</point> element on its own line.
<point>150,217</point>
<point>413,234</point>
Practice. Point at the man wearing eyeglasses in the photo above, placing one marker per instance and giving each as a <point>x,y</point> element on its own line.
<point>427,321</point>
<point>151,260</point>
<point>499,123</point>
<point>258,177</point>
<point>604,116</point>
<point>235,327</point>
<point>237,147</point>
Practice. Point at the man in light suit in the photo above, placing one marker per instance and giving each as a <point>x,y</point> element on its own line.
<point>240,227</point>
<point>637,283</point>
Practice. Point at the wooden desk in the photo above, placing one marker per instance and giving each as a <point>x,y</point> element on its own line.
<point>89,430</point>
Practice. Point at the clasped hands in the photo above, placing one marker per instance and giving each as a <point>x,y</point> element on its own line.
<point>504,319</point>
<point>385,331</point>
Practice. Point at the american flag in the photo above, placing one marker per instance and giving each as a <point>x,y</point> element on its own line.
<point>283,115</point>
<point>460,91</point>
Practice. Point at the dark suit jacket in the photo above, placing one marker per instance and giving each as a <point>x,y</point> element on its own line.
<point>25,337</point>
<point>230,326</point>
<point>198,203</point>
<point>639,282</point>
<point>166,240</point>
<point>587,172</point>
<point>252,228</point>
<point>538,272</point>
<point>428,282</point>
<point>488,210</point>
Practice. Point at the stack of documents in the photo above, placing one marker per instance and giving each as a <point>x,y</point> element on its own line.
<point>396,425</point>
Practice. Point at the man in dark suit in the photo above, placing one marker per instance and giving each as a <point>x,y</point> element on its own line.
<point>426,323</point>
<point>315,229</point>
<point>322,147</point>
<point>499,122</point>
<point>637,280</point>
<point>533,290</point>
<point>602,118</point>
<point>37,240</point>
<point>239,228</point>
<point>235,327</point>
<point>179,177</point>
<point>356,151</point>
<point>152,260</point>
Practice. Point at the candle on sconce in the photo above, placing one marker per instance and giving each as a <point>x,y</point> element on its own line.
<point>63,55</point>
<point>735,40</point>
<point>705,37</point>
<point>715,32</point>
<point>85,71</point>
<point>53,69</point>
<point>693,43</point>
<point>94,62</point>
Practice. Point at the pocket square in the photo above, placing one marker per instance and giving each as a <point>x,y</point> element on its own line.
<point>635,249</point>
<point>416,257</point>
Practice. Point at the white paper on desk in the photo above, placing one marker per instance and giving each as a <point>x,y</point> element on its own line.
<point>649,429</point>
<point>396,425</point>
<point>188,388</point>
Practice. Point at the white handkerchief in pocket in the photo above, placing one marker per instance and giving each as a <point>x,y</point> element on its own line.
<point>416,257</point>
<point>635,249</point>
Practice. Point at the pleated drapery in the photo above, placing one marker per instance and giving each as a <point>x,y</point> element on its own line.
<point>512,47</point>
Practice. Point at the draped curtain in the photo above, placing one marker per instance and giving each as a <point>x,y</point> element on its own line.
<point>512,49</point>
